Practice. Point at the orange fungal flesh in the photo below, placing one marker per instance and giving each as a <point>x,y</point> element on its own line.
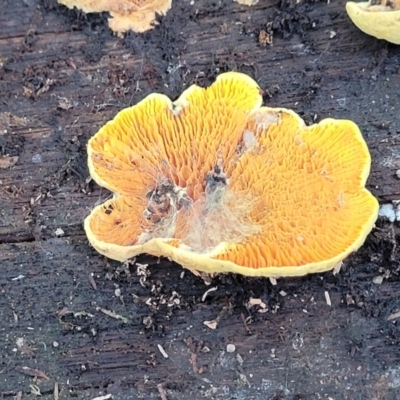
<point>137,15</point>
<point>220,184</point>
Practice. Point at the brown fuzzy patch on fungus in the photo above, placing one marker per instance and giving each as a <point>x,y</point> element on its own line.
<point>379,18</point>
<point>135,15</point>
<point>218,184</point>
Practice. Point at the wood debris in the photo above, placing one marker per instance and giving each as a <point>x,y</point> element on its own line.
<point>8,120</point>
<point>257,302</point>
<point>112,314</point>
<point>393,316</point>
<point>138,16</point>
<point>264,37</point>
<point>162,351</point>
<point>59,232</point>
<point>273,281</point>
<point>162,392</point>
<point>378,280</point>
<point>213,289</point>
<point>17,278</point>
<point>328,298</point>
<point>247,2</point>
<point>32,372</point>
<point>214,323</point>
<point>337,268</point>
<point>8,161</point>
<point>56,391</point>
<point>106,397</point>
<point>35,390</point>
<point>211,324</point>
<point>92,281</point>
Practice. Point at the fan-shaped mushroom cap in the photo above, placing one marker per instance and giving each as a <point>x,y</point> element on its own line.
<point>219,184</point>
<point>379,20</point>
<point>137,15</point>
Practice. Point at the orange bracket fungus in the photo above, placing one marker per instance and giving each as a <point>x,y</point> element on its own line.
<point>137,15</point>
<point>379,18</point>
<point>218,183</point>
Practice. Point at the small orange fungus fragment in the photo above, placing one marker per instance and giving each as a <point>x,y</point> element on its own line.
<point>137,15</point>
<point>218,183</point>
<point>379,18</point>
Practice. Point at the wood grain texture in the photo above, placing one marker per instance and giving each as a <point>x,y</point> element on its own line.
<point>62,76</point>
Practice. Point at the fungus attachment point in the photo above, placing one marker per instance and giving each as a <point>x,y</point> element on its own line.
<point>137,15</point>
<point>379,18</point>
<point>226,185</point>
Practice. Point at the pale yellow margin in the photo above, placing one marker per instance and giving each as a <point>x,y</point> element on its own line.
<point>247,2</point>
<point>203,262</point>
<point>377,21</point>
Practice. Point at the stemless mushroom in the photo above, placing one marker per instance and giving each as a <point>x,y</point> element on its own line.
<point>218,184</point>
<point>379,18</point>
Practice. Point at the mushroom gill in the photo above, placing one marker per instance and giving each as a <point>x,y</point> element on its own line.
<point>220,184</point>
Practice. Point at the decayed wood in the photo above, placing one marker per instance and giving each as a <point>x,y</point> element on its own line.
<point>95,327</point>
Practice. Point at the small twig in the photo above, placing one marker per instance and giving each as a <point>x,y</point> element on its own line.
<point>162,351</point>
<point>32,372</point>
<point>393,316</point>
<point>337,268</point>
<point>112,314</point>
<point>193,361</point>
<point>207,292</point>
<point>106,397</point>
<point>248,330</point>
<point>392,239</point>
<point>213,323</point>
<point>56,392</point>
<point>92,281</point>
<point>328,298</point>
<point>161,390</point>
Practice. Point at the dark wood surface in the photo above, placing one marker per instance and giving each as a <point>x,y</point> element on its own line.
<point>62,76</point>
